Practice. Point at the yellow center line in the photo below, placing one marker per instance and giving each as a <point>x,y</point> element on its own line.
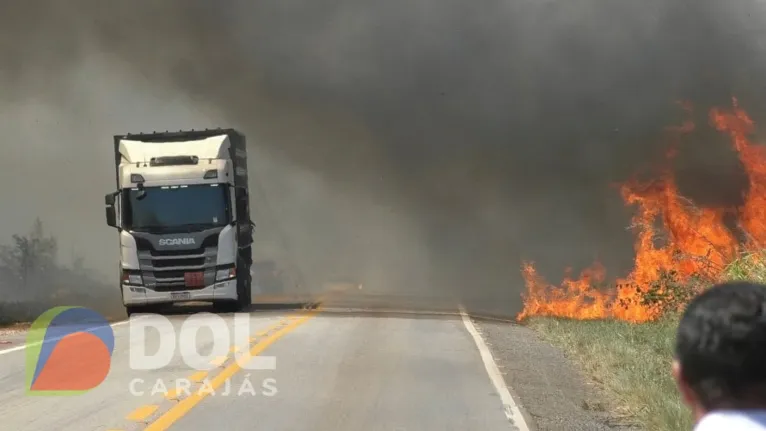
<point>173,394</point>
<point>142,413</point>
<point>184,406</point>
<point>198,376</point>
<point>220,360</point>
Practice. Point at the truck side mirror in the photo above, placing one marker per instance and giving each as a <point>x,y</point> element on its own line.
<point>111,217</point>
<point>111,214</point>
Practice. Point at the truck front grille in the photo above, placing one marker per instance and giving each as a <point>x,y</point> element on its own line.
<point>164,271</point>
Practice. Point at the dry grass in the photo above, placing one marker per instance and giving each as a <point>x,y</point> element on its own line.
<point>750,266</point>
<point>630,362</point>
<point>15,312</point>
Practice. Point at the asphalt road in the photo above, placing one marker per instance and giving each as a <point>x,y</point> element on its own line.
<point>332,370</point>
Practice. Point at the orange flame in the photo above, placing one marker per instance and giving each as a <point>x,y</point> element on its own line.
<point>696,243</point>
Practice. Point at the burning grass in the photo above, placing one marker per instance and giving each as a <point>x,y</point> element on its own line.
<point>621,330</point>
<point>679,247</point>
<point>631,362</point>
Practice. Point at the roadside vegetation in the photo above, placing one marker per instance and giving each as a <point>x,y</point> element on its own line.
<point>32,280</point>
<point>631,362</point>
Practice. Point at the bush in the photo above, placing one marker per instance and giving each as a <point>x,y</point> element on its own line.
<point>668,294</point>
<point>31,281</point>
<point>749,266</point>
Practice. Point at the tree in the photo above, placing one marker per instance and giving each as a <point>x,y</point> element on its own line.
<point>30,255</point>
<point>78,263</point>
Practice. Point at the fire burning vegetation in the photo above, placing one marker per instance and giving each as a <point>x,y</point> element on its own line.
<point>679,248</point>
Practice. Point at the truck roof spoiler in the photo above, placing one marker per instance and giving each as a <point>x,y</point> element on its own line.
<point>181,135</point>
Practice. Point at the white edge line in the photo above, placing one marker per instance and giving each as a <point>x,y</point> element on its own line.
<point>512,411</point>
<point>25,345</point>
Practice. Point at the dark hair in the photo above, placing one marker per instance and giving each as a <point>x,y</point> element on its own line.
<point>721,344</point>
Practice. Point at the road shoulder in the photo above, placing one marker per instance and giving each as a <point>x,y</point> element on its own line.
<point>550,389</point>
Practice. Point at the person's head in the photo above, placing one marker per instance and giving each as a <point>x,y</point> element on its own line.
<point>720,351</point>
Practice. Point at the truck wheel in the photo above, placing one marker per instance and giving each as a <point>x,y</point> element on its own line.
<point>222,306</point>
<point>133,309</point>
<point>245,300</point>
<point>244,294</point>
<point>244,291</point>
<point>231,305</point>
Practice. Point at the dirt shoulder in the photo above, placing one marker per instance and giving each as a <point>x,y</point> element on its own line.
<point>13,335</point>
<point>555,395</point>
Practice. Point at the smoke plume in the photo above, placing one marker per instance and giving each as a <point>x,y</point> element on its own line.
<point>422,146</point>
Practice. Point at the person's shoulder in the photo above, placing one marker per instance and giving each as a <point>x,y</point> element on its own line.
<point>733,421</point>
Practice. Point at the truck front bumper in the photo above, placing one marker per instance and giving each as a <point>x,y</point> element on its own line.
<point>140,295</point>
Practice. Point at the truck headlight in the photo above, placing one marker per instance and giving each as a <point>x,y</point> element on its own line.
<point>225,274</point>
<point>132,277</point>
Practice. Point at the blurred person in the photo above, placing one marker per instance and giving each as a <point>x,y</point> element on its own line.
<point>720,357</point>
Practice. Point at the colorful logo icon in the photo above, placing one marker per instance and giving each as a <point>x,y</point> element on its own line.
<point>69,351</point>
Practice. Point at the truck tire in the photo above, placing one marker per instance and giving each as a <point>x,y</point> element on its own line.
<point>244,290</point>
<point>146,309</point>
<point>135,309</point>
<point>223,306</point>
<point>245,300</point>
<point>244,293</point>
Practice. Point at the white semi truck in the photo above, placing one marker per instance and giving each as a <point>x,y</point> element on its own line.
<point>182,212</point>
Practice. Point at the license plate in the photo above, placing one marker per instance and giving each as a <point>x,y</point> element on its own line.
<point>180,295</point>
<point>194,279</point>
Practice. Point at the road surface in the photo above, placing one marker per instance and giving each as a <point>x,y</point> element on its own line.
<point>332,371</point>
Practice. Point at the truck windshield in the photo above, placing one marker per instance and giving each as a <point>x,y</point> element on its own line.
<point>175,208</point>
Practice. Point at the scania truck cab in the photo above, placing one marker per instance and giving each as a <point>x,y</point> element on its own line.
<point>182,212</point>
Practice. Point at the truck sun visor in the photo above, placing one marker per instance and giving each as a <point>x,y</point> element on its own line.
<point>173,160</point>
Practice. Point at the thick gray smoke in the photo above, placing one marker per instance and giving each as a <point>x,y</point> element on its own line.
<point>424,146</point>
